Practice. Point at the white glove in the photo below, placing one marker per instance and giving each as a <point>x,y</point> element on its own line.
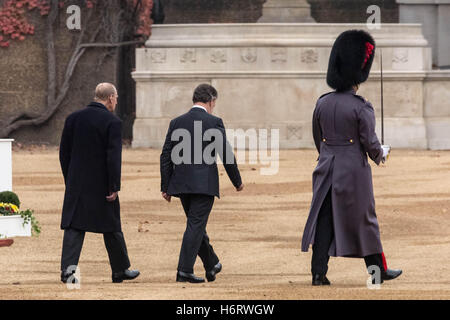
<point>386,151</point>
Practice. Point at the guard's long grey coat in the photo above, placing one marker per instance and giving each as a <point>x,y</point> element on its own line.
<point>344,134</point>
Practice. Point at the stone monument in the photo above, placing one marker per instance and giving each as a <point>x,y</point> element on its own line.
<point>270,75</point>
<point>434,15</point>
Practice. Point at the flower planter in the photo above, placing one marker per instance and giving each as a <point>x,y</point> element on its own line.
<point>12,226</point>
<point>6,242</point>
<point>5,165</point>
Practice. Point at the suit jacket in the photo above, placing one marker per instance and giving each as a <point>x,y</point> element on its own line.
<point>344,134</point>
<point>91,158</point>
<point>192,176</point>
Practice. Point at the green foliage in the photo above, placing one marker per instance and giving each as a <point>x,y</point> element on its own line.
<point>5,212</point>
<point>9,197</point>
<point>28,217</point>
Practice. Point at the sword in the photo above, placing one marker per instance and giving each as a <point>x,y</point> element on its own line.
<point>382,98</point>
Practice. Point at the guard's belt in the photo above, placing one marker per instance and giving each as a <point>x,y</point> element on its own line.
<point>338,142</point>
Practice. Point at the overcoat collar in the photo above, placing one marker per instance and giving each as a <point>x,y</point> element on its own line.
<point>97,105</point>
<point>352,91</point>
<point>197,110</point>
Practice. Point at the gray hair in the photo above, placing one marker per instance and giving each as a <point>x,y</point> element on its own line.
<point>104,91</point>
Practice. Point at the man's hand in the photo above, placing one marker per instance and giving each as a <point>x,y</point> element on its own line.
<point>240,188</point>
<point>112,196</point>
<point>386,151</point>
<point>166,196</point>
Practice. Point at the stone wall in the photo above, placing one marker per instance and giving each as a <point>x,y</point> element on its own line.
<point>207,11</point>
<point>352,11</point>
<point>437,109</point>
<point>23,79</point>
<point>434,15</point>
<point>242,11</point>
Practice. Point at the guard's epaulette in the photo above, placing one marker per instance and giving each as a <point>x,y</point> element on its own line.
<point>326,94</point>
<point>362,98</point>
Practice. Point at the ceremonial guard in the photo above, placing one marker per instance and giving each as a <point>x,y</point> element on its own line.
<point>342,221</point>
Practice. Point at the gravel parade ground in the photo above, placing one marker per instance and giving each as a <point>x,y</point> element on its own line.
<point>256,233</point>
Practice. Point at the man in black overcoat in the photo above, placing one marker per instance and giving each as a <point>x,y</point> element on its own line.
<point>189,171</point>
<point>91,159</point>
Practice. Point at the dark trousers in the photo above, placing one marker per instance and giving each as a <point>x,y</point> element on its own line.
<point>323,238</point>
<point>114,242</point>
<point>195,240</point>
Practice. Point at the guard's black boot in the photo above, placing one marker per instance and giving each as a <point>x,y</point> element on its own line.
<point>391,274</point>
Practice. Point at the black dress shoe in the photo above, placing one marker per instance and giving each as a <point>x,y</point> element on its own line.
<point>118,277</point>
<point>390,274</point>
<point>320,280</point>
<point>211,275</point>
<point>188,277</point>
<point>66,275</point>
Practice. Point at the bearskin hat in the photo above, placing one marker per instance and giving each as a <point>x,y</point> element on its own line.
<point>350,59</point>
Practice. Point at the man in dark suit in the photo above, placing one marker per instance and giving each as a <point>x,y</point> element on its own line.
<point>91,159</point>
<point>189,171</point>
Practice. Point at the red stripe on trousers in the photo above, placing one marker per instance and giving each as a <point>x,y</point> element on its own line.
<point>384,261</point>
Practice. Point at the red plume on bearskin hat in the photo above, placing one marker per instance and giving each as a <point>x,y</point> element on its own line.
<point>350,60</point>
